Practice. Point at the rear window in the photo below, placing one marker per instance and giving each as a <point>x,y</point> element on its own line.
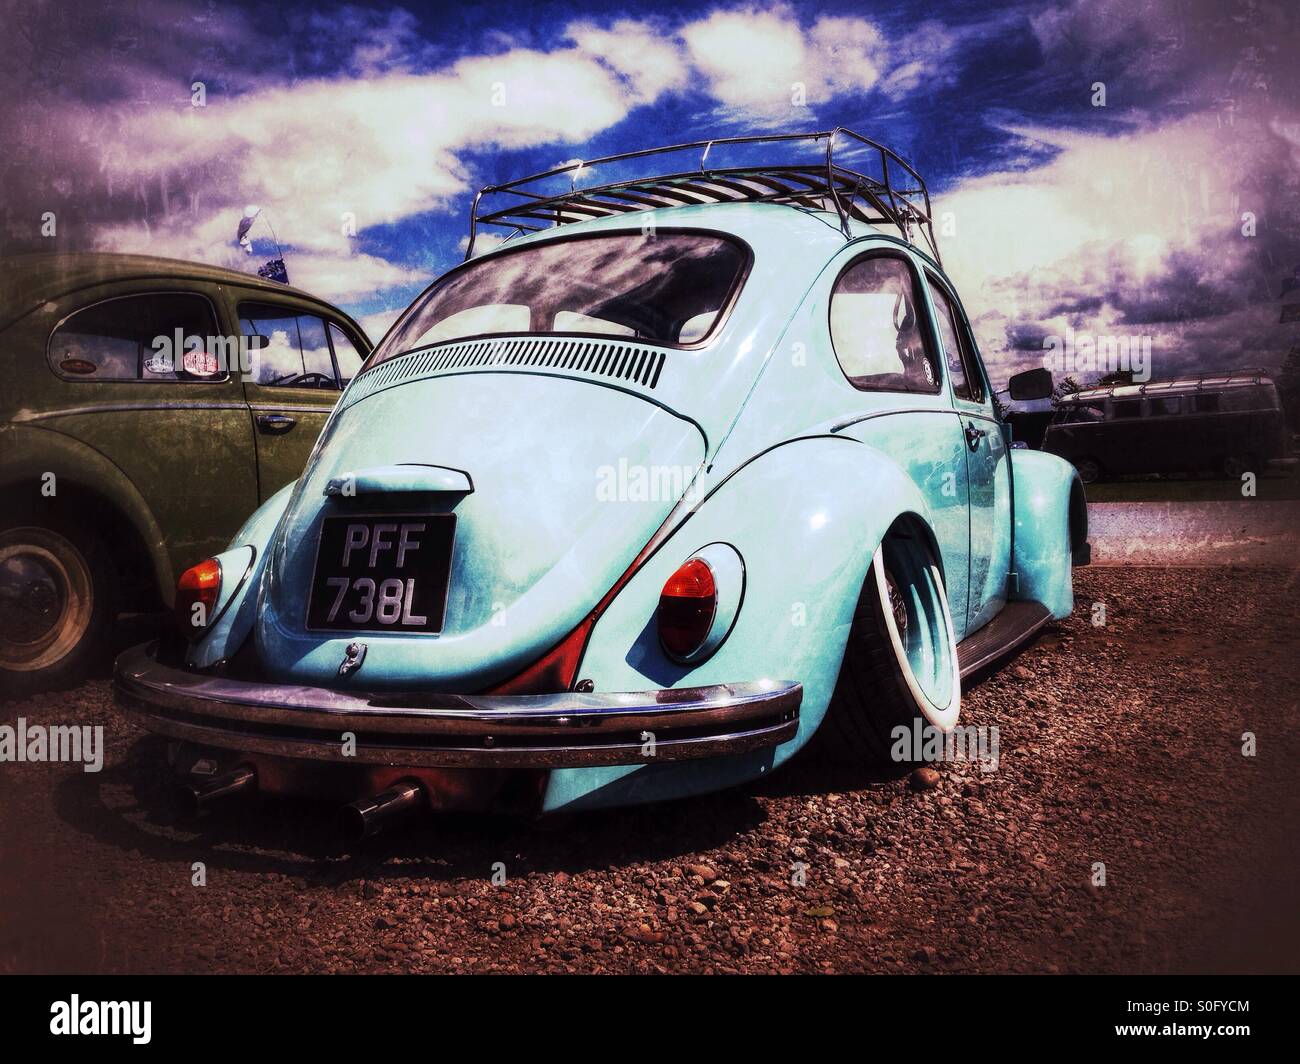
<point>659,288</point>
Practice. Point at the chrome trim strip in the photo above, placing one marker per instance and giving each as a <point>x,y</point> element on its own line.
<point>295,409</point>
<point>566,730</point>
<point>110,408</point>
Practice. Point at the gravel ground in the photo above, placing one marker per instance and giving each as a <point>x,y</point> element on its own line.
<point>1119,744</point>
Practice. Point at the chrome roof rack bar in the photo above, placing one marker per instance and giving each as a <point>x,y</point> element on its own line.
<point>898,197</point>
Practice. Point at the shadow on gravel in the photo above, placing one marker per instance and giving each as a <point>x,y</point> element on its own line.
<point>127,806</point>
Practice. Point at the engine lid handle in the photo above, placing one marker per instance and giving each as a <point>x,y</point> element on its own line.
<point>410,477</point>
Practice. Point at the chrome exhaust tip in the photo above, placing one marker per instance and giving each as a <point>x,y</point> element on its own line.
<point>368,817</point>
<point>192,798</point>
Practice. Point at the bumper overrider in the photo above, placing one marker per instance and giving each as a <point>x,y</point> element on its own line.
<point>567,730</point>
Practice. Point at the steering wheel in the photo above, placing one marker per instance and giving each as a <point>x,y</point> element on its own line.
<point>304,380</point>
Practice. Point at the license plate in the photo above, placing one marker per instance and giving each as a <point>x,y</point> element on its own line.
<point>384,573</point>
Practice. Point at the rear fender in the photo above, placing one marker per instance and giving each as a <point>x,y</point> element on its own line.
<point>235,616</point>
<point>807,541</point>
<point>1051,517</point>
<point>30,453</point>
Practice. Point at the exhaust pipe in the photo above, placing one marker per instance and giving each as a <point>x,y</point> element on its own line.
<point>368,817</point>
<point>193,798</point>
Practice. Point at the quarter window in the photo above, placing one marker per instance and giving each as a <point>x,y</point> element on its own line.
<point>875,329</point>
<point>135,338</point>
<point>957,351</point>
<point>297,349</point>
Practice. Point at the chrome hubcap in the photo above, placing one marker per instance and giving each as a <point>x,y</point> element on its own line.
<point>32,598</point>
<point>46,598</point>
<point>897,607</point>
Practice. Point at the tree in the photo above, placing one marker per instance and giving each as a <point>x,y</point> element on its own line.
<point>1065,386</point>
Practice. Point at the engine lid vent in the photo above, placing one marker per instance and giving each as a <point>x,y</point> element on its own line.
<point>636,365</point>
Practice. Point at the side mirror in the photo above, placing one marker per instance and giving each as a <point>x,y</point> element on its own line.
<point>1032,384</point>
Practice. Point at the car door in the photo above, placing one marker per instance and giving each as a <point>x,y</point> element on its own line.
<point>173,420</point>
<point>885,348</point>
<point>987,459</point>
<point>294,379</point>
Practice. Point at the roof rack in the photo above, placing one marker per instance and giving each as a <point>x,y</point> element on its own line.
<point>895,196</point>
<point>1190,382</point>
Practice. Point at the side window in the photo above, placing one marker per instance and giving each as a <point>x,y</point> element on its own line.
<point>134,338</point>
<point>1082,413</point>
<point>1166,405</point>
<point>297,351</point>
<point>875,331</point>
<point>1121,408</point>
<point>1206,404</point>
<point>346,355</point>
<point>957,351</point>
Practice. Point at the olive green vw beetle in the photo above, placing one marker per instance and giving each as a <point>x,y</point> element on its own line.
<point>131,444</point>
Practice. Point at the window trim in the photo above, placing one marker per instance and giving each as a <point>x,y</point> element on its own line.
<point>970,361</point>
<point>723,316</point>
<point>78,378</point>
<point>331,325</point>
<point>927,335</point>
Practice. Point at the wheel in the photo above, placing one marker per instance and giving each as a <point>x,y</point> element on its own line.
<point>900,666</point>
<point>1089,470</point>
<point>57,592</point>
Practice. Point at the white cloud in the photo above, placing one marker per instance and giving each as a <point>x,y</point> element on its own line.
<point>382,142</point>
<point>753,60</point>
<point>1136,232</point>
<point>648,60</point>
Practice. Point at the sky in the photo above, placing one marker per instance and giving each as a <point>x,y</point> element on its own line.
<point>1104,168</point>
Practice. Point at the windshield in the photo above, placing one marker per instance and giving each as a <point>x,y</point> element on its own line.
<point>656,287</point>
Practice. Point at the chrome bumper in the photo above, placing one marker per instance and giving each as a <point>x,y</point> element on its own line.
<point>567,730</point>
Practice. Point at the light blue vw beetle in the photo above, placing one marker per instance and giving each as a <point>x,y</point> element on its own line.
<point>692,468</point>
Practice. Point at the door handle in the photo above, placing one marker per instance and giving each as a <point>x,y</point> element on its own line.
<point>275,424</point>
<point>974,435</point>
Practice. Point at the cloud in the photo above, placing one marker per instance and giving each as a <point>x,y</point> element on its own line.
<point>647,61</point>
<point>756,61</point>
<point>1140,231</point>
<point>355,121</point>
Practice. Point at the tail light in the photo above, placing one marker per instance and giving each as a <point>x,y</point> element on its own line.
<point>199,586</point>
<point>687,605</point>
